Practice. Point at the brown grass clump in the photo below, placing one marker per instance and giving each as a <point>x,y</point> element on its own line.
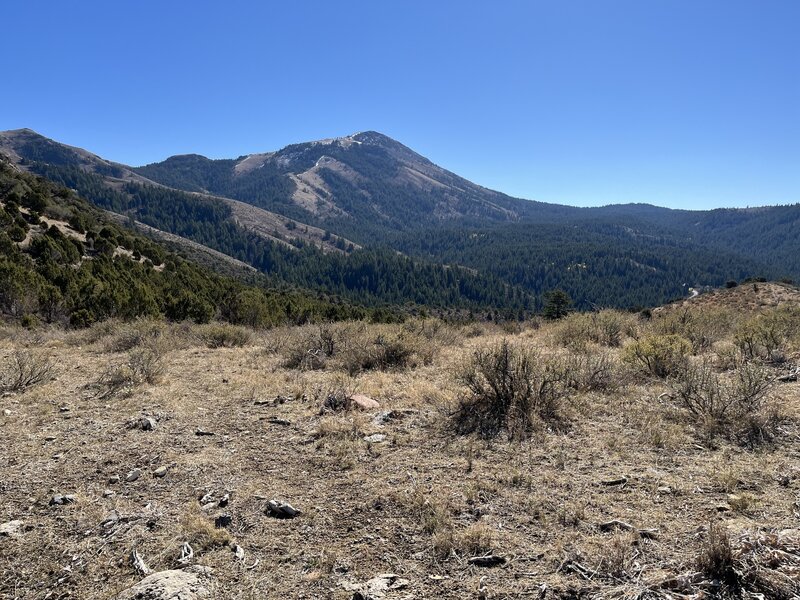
<point>716,557</point>
<point>476,540</point>
<point>200,532</point>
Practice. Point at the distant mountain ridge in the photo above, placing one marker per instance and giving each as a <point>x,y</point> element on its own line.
<point>369,190</point>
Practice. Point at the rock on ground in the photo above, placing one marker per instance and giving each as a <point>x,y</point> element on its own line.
<point>362,402</point>
<point>183,584</point>
<point>10,529</point>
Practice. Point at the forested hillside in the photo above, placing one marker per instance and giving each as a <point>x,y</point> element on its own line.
<point>62,260</point>
<point>374,277</point>
<point>429,237</point>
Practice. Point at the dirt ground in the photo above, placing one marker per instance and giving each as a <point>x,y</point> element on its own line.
<point>237,427</point>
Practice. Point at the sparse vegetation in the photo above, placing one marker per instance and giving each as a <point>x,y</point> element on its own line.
<point>574,464</point>
<point>24,368</point>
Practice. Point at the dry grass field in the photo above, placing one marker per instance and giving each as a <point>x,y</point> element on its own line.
<point>601,456</point>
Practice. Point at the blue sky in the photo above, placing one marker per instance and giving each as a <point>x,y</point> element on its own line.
<point>689,104</point>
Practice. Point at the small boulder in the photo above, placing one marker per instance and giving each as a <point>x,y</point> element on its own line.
<point>177,584</point>
<point>11,528</point>
<point>61,500</point>
<point>160,472</point>
<point>114,479</point>
<point>375,438</point>
<point>376,588</point>
<point>282,510</point>
<point>363,402</point>
<point>147,423</point>
<point>6,412</point>
<point>133,475</point>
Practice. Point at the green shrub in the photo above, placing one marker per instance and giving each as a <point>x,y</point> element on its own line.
<point>702,327</point>
<point>765,337</point>
<point>658,355</point>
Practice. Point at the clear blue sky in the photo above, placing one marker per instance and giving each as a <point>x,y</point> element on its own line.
<point>682,103</point>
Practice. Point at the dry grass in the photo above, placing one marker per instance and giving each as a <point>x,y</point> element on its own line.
<point>420,503</point>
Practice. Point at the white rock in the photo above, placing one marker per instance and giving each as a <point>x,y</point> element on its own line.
<point>11,528</point>
<point>183,584</point>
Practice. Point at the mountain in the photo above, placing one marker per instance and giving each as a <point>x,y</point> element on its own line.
<point>63,260</point>
<point>287,251</point>
<point>364,184</point>
<point>334,214</point>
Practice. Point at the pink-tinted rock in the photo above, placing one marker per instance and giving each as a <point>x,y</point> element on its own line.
<point>363,402</point>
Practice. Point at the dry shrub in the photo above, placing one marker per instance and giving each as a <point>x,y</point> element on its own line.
<point>591,372</point>
<point>606,328</point>
<point>147,364</point>
<point>143,365</point>
<point>658,355</point>
<point>509,388</point>
<point>135,334</point>
<point>729,404</point>
<point>388,348</point>
<point>435,331</point>
<point>223,335</point>
<point>312,350</point>
<point>336,395</point>
<point>24,369</point>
